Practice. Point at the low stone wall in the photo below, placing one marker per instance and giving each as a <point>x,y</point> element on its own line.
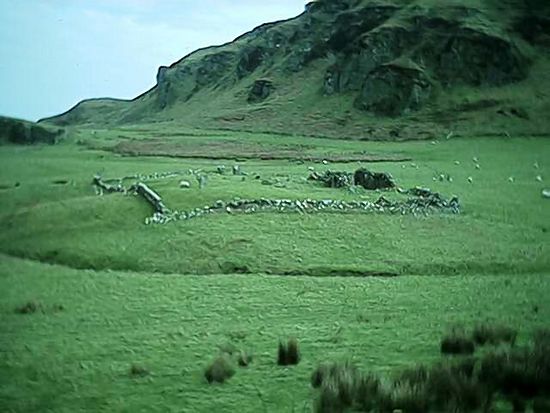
<point>151,197</point>
<point>417,205</point>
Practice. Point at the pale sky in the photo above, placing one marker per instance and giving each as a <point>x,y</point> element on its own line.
<point>54,53</point>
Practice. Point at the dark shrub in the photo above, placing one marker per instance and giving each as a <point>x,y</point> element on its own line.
<point>288,354</point>
<point>341,386</point>
<point>453,387</point>
<point>410,398</point>
<point>415,376</point>
<point>516,373</point>
<point>219,370</point>
<point>329,399</point>
<point>319,375</point>
<point>58,307</point>
<point>465,367</point>
<point>137,370</point>
<point>293,353</point>
<point>29,308</point>
<point>518,404</point>
<point>541,338</point>
<point>541,405</point>
<point>494,334</point>
<point>368,392</point>
<point>457,343</point>
<point>282,354</point>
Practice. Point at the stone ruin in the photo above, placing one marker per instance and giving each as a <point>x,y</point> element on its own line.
<point>373,180</point>
<point>420,201</point>
<point>361,177</point>
<point>104,186</point>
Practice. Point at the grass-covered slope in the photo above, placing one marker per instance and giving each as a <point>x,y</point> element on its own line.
<point>361,69</point>
<point>54,215</point>
<point>100,312</point>
<point>113,341</point>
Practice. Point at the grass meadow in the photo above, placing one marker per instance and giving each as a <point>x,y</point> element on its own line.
<point>99,311</point>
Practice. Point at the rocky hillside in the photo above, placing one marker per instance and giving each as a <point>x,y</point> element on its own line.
<point>369,69</point>
<point>21,132</point>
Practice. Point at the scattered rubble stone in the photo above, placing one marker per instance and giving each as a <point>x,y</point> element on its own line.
<point>546,193</point>
<point>102,186</point>
<point>185,184</point>
<point>333,179</point>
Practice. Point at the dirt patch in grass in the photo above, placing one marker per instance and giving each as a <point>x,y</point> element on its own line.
<point>242,150</point>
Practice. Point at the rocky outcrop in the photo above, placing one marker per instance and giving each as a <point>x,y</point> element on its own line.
<point>373,180</point>
<point>261,89</point>
<point>180,82</point>
<point>354,48</point>
<point>27,133</point>
<point>395,89</point>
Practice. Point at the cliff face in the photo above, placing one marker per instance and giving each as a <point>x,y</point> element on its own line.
<point>382,58</point>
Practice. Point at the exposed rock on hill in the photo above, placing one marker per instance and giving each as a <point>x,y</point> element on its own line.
<point>385,58</point>
<point>26,133</point>
<point>261,90</point>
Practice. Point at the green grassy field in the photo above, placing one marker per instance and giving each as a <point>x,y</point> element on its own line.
<point>166,297</point>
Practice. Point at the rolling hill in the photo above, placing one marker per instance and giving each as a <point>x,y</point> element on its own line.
<point>360,69</point>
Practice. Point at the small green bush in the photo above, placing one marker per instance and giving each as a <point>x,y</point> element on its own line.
<point>219,370</point>
<point>288,354</point>
<point>137,370</point>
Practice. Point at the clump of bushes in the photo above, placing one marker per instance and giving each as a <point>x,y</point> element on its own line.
<point>443,387</point>
<point>457,342</point>
<point>342,386</point>
<point>219,370</point>
<point>519,375</point>
<point>494,334</point>
<point>288,354</point>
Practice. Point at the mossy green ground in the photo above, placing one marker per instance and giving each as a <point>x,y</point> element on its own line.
<point>164,297</point>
